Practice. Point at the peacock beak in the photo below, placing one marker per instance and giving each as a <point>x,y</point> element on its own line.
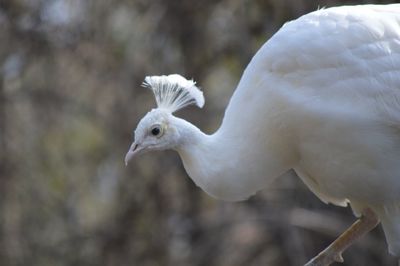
<point>132,152</point>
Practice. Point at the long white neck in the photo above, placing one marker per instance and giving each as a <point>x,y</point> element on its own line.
<point>254,144</point>
<point>231,164</point>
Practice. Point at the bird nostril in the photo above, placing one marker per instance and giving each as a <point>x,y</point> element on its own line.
<point>134,148</point>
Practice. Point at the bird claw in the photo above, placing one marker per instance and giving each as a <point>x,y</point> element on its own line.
<point>325,259</point>
<point>338,257</point>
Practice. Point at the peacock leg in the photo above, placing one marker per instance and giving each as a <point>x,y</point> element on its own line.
<point>333,253</point>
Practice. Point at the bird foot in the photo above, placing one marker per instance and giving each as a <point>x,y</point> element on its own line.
<point>325,259</point>
<point>333,253</point>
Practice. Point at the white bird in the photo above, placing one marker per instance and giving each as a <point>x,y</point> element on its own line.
<point>322,97</point>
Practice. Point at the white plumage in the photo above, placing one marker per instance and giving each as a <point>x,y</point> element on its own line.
<point>174,92</point>
<point>322,97</point>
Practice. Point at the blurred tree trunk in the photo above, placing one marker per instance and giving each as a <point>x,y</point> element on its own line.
<point>4,170</point>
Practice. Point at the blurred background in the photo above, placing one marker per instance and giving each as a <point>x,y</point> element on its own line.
<point>70,97</point>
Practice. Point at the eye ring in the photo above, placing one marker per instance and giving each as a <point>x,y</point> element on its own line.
<point>156,131</point>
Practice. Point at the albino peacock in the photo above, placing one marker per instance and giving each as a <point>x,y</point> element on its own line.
<point>322,97</point>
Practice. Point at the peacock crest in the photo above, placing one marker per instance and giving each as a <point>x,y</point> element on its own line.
<point>174,92</point>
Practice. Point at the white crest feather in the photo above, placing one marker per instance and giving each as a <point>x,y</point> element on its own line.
<point>174,92</point>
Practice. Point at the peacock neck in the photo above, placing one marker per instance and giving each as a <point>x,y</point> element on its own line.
<point>228,164</point>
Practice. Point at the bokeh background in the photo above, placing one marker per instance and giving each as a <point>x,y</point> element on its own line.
<point>70,97</point>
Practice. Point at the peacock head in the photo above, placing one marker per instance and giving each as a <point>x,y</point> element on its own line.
<point>158,129</point>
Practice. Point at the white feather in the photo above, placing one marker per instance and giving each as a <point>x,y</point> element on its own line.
<point>322,97</point>
<point>174,92</point>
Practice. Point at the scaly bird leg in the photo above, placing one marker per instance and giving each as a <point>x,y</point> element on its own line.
<point>333,253</point>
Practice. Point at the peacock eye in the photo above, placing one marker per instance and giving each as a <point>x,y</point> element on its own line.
<point>156,131</point>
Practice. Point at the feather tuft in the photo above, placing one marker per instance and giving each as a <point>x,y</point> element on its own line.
<point>174,92</point>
